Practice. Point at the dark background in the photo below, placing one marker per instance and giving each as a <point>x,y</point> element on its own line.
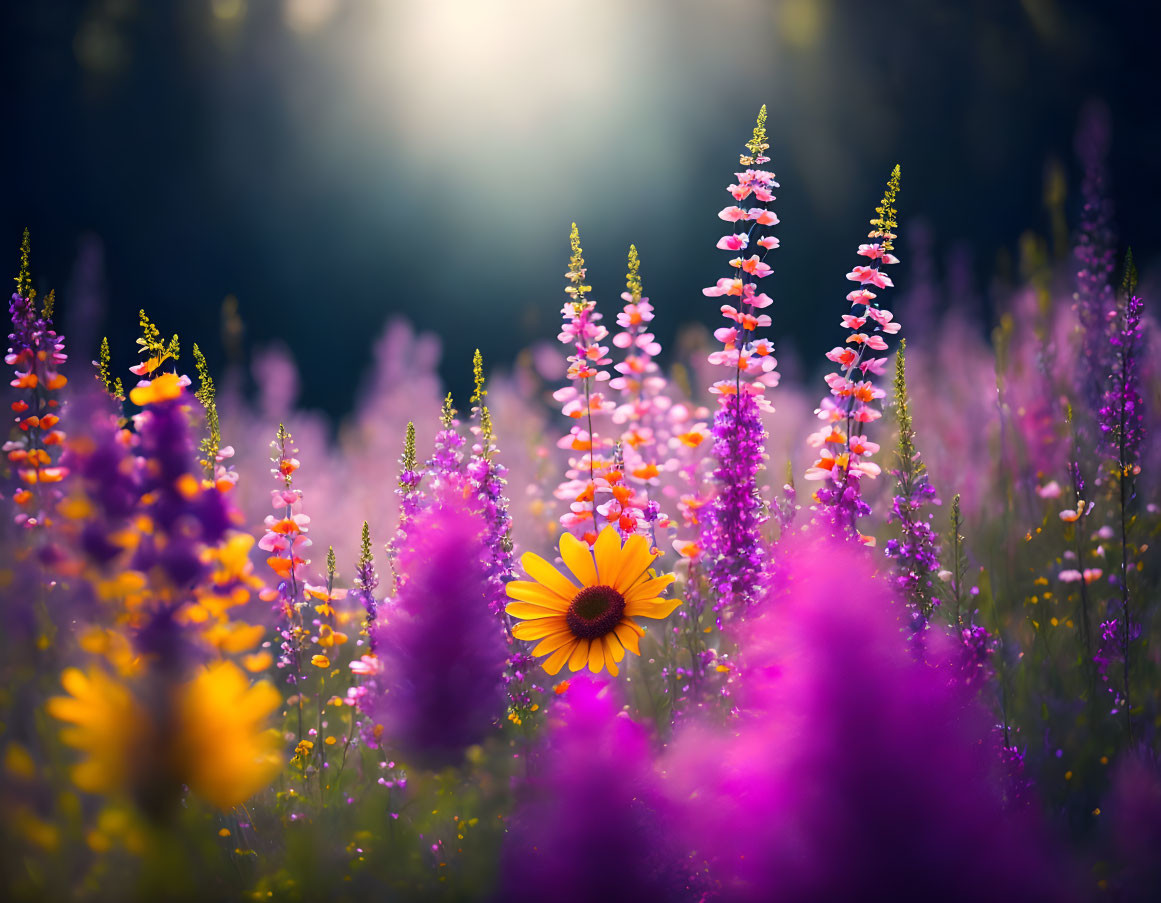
<point>334,162</point>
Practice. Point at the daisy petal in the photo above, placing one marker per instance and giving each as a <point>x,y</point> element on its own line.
<point>607,551</point>
<point>527,591</point>
<point>611,665</point>
<point>544,573</point>
<point>554,642</point>
<point>635,558</point>
<point>614,651</point>
<point>629,637</point>
<point>538,629</point>
<point>651,608</point>
<point>596,656</point>
<point>579,559</point>
<point>556,661</point>
<point>580,655</point>
<point>650,589</point>
<point>529,611</point>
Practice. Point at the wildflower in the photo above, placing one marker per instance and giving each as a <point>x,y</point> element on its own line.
<point>439,653</point>
<point>842,460</point>
<point>286,541</point>
<point>109,727</point>
<point>844,740</point>
<point>411,497</point>
<point>447,461</point>
<point>591,623</point>
<point>206,733</point>
<point>581,400</point>
<point>36,352</point>
<point>1122,427</point>
<point>916,551</point>
<point>731,541</point>
<point>366,582</point>
<point>641,413</point>
<point>486,476</point>
<point>214,454</point>
<point>595,793</point>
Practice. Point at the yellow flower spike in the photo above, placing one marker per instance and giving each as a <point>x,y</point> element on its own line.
<point>633,277</point>
<point>591,625</point>
<point>885,221</point>
<point>24,278</point>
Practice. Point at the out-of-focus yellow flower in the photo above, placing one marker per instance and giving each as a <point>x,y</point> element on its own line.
<point>109,726</point>
<point>216,742</point>
<point>225,753</point>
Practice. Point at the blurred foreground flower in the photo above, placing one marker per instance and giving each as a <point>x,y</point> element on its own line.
<point>590,826</point>
<point>206,733</point>
<point>847,746</point>
<point>433,686</point>
<point>592,623</point>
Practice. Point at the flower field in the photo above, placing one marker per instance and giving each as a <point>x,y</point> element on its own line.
<point>614,621</point>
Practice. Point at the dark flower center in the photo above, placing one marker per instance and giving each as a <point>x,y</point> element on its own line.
<point>595,611</point>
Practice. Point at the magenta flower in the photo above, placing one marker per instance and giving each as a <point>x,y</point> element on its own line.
<point>434,687</point>
<point>848,747</point>
<point>591,824</point>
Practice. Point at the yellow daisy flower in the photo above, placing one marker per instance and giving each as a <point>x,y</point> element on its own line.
<point>590,624</point>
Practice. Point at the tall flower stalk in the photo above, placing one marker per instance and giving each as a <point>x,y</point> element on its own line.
<point>844,456</point>
<point>916,551</point>
<point>641,413</point>
<point>1122,427</point>
<point>1096,258</point>
<point>486,476</point>
<point>581,400</point>
<point>366,582</point>
<point>731,537</point>
<point>36,352</point>
<point>286,541</point>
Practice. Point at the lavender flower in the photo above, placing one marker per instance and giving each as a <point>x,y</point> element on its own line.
<point>916,551</point>
<point>731,529</point>
<point>436,684</point>
<point>486,478</point>
<point>446,464</point>
<point>1122,426</point>
<point>366,582</point>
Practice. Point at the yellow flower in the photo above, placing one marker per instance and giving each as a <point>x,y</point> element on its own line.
<point>591,623</point>
<point>110,728</point>
<point>224,753</point>
<point>210,735</point>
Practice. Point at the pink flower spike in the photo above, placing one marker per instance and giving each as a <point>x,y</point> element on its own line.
<point>870,275</point>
